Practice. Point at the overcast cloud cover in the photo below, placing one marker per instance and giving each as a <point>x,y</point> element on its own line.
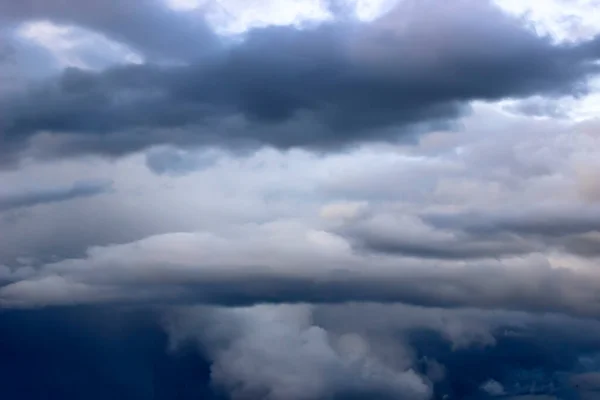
<point>299,200</point>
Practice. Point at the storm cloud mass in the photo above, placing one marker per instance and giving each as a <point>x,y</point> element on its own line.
<point>336,83</point>
<point>299,200</point>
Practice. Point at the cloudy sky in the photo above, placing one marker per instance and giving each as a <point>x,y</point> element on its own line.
<point>300,199</point>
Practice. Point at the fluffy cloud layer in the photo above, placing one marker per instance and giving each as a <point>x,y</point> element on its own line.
<point>405,206</point>
<point>423,225</point>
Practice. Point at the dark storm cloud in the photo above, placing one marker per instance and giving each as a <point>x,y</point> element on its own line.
<point>52,195</point>
<point>459,247</point>
<point>542,290</point>
<point>480,234</point>
<point>7,52</point>
<point>22,60</point>
<point>526,355</point>
<point>571,228</point>
<point>172,161</point>
<point>541,221</point>
<point>338,83</point>
<point>148,26</point>
<point>525,365</point>
<point>95,354</point>
<point>452,250</point>
<point>390,233</point>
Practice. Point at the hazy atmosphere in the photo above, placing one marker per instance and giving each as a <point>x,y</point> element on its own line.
<point>300,199</point>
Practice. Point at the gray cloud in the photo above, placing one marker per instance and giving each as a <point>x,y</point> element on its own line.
<point>215,353</point>
<point>483,354</point>
<point>299,359</point>
<point>274,243</point>
<point>544,221</point>
<point>335,84</point>
<point>178,162</point>
<point>142,273</point>
<point>459,267</point>
<point>477,227</point>
<point>22,61</point>
<point>574,228</point>
<point>388,233</point>
<point>148,26</point>
<point>270,246</point>
<point>493,388</point>
<point>52,195</point>
<point>539,107</point>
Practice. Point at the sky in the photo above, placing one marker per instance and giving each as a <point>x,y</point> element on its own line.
<point>300,199</point>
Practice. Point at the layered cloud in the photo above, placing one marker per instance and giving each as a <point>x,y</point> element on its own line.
<point>327,204</point>
<point>34,197</point>
<point>450,235</point>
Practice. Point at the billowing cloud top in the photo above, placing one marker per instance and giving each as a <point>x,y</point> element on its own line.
<point>332,199</point>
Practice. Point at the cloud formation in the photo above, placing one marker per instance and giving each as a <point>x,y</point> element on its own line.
<point>337,83</point>
<point>219,353</point>
<point>298,206</point>
<point>33,198</point>
<point>148,26</point>
<point>285,263</point>
<point>459,231</point>
<point>298,359</point>
<point>466,354</point>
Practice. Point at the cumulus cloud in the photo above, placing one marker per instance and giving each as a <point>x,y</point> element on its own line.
<point>456,354</point>
<point>278,353</point>
<point>493,388</point>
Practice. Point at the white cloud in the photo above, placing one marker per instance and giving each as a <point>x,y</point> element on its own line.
<point>565,20</point>
<point>279,353</point>
<point>76,47</point>
<point>493,388</point>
